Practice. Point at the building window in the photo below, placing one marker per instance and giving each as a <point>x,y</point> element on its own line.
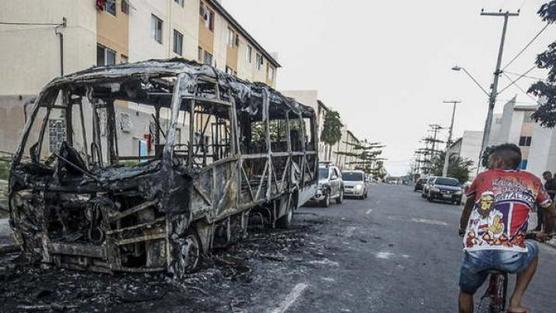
<point>260,61</point>
<point>123,58</point>
<point>207,58</point>
<point>270,73</point>
<point>207,16</point>
<point>178,42</point>
<point>110,6</point>
<point>525,141</point>
<point>156,25</point>
<point>105,56</point>
<point>231,38</point>
<point>249,54</point>
<point>200,54</point>
<point>523,164</point>
<point>180,2</point>
<point>125,6</point>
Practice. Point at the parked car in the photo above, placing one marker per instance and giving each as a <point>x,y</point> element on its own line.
<point>355,184</point>
<point>419,184</point>
<point>426,186</point>
<point>445,189</point>
<point>330,186</point>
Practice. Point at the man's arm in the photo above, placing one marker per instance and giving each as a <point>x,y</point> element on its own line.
<point>467,208</point>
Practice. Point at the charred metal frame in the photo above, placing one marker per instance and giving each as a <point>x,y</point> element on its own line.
<point>112,218</point>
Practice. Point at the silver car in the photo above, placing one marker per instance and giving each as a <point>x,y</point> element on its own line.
<point>355,184</point>
<point>330,185</point>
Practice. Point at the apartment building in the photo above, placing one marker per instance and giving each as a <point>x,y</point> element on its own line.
<point>514,125</point>
<point>49,38</point>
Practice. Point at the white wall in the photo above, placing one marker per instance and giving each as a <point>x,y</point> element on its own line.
<point>186,21</point>
<point>542,154</point>
<point>30,55</point>
<point>471,147</point>
<point>142,45</point>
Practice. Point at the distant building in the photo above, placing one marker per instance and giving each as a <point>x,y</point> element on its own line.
<point>514,125</point>
<point>346,144</point>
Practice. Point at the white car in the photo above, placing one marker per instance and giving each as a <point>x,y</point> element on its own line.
<point>355,184</point>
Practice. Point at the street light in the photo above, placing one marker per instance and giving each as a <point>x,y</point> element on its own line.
<point>459,68</point>
<point>492,98</point>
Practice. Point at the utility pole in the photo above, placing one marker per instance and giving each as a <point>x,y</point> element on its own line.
<point>449,142</point>
<point>494,88</point>
<point>435,128</point>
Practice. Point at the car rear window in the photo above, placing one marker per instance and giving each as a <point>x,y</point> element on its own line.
<point>352,176</point>
<point>447,182</point>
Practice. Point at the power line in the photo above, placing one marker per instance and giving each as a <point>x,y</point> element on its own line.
<point>29,24</point>
<point>515,81</point>
<point>527,46</point>
<point>525,76</point>
<point>521,89</point>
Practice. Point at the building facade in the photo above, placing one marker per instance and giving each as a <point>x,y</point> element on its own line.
<point>514,125</point>
<point>336,153</point>
<point>46,39</point>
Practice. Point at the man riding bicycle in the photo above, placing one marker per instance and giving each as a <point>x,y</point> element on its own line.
<point>494,224</point>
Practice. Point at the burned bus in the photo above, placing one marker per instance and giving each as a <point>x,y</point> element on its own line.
<point>147,166</point>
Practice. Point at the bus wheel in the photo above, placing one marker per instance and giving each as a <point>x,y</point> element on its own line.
<point>286,220</point>
<point>187,254</point>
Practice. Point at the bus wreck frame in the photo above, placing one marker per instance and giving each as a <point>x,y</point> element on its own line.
<point>85,210</point>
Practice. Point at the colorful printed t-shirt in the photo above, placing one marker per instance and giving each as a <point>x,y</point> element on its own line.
<point>503,200</point>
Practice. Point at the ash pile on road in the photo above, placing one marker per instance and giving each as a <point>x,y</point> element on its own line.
<point>230,280</point>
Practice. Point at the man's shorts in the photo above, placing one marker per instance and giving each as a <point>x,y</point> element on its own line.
<point>476,264</point>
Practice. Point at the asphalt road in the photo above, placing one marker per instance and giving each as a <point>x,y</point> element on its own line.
<point>393,252</point>
<point>400,253</point>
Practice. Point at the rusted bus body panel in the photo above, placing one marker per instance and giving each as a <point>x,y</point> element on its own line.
<point>248,149</point>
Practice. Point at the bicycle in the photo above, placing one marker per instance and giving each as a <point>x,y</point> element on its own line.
<point>495,297</point>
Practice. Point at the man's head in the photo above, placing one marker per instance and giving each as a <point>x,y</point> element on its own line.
<point>505,156</point>
<point>547,175</point>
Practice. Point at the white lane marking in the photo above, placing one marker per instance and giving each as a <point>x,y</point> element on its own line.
<point>384,255</point>
<point>290,298</point>
<point>369,211</point>
<point>427,221</point>
<point>325,262</point>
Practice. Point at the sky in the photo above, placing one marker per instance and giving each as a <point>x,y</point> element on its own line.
<point>386,65</point>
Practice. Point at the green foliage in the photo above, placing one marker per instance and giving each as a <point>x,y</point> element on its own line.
<point>367,158</point>
<point>458,168</point>
<point>331,128</point>
<point>4,168</point>
<point>546,113</point>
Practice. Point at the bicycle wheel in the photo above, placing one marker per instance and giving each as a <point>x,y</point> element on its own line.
<point>485,305</point>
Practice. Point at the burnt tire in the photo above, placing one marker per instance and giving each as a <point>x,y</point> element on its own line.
<point>340,198</point>
<point>286,220</point>
<point>326,201</point>
<point>187,254</point>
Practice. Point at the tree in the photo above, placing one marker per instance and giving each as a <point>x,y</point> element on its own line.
<point>331,130</point>
<point>546,90</point>
<point>458,167</point>
<point>366,155</point>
